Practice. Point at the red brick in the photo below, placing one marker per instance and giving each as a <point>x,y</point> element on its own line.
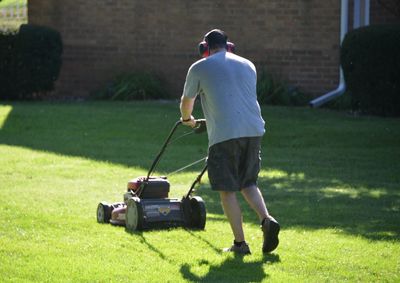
<point>297,40</point>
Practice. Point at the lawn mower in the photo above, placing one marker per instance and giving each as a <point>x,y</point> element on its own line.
<point>146,204</point>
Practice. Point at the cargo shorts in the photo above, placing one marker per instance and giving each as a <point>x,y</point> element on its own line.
<point>234,164</point>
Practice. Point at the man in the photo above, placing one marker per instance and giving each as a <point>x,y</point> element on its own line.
<point>226,84</point>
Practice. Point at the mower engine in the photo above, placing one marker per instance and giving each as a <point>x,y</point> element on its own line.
<point>153,209</point>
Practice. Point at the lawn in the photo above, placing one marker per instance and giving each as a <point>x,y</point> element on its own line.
<point>331,179</point>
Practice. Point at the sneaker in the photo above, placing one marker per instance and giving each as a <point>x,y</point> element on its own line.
<point>270,229</point>
<point>242,249</point>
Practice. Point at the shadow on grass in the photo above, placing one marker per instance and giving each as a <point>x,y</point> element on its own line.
<point>150,246</point>
<point>208,243</point>
<point>230,267</point>
<point>308,206</point>
<point>233,267</point>
<point>123,133</point>
<point>348,183</point>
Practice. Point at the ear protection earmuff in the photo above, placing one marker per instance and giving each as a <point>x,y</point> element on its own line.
<point>204,51</point>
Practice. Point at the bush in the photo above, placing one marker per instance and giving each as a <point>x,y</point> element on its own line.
<point>275,92</point>
<point>30,61</point>
<point>40,50</point>
<point>8,66</point>
<point>370,59</point>
<point>133,86</point>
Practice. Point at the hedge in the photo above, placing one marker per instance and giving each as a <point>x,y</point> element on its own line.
<point>30,61</point>
<point>8,67</point>
<point>370,57</point>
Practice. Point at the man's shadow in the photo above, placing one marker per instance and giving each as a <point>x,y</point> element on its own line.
<point>232,269</point>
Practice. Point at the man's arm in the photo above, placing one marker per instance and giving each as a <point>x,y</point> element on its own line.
<point>186,108</point>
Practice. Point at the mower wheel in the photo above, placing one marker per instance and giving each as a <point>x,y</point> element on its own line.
<point>198,215</point>
<point>104,212</point>
<point>134,215</point>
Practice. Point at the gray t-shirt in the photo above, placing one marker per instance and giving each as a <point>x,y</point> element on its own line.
<point>226,84</point>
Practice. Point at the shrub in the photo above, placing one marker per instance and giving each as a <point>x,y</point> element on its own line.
<point>40,50</point>
<point>8,66</point>
<point>343,102</point>
<point>370,59</point>
<point>133,86</point>
<point>30,61</point>
<point>275,92</point>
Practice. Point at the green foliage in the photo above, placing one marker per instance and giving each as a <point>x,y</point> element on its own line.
<point>370,59</point>
<point>31,61</point>
<point>133,86</point>
<point>343,102</point>
<point>40,52</point>
<point>8,66</point>
<point>272,91</point>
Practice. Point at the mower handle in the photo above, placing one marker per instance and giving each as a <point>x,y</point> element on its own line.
<point>200,127</point>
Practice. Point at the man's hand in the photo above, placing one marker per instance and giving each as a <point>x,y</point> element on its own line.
<point>187,122</point>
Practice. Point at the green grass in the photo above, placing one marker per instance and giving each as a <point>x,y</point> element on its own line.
<point>332,180</point>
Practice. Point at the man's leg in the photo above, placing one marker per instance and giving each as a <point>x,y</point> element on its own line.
<point>233,212</point>
<point>269,225</point>
<point>255,199</point>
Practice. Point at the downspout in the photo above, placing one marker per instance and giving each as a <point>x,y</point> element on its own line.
<point>361,13</point>
<point>366,12</point>
<point>344,16</point>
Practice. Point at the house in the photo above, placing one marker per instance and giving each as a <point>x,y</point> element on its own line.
<point>296,40</point>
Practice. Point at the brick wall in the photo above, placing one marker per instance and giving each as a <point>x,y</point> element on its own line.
<point>298,40</point>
